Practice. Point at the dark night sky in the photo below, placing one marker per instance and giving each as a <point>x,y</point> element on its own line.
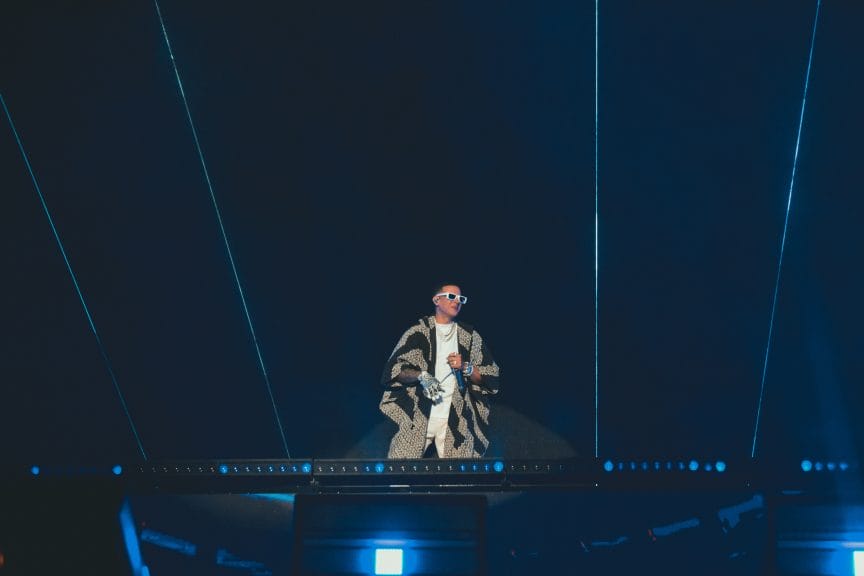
<point>362,152</point>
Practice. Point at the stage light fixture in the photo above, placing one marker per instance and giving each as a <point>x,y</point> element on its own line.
<point>117,470</point>
<point>707,467</point>
<point>388,561</point>
<point>831,466</point>
<point>35,470</point>
<point>694,465</point>
<point>720,466</point>
<point>223,469</point>
<point>608,466</point>
<point>806,465</point>
<point>844,466</point>
<point>498,466</point>
<point>818,466</point>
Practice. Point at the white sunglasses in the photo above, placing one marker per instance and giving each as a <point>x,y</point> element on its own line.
<point>451,296</point>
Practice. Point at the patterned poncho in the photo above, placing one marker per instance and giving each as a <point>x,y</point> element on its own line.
<point>405,404</point>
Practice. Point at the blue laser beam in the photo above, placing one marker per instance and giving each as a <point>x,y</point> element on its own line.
<point>222,228</point>
<point>785,230</point>
<point>596,235</point>
<point>99,343</point>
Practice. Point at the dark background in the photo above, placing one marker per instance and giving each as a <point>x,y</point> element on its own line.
<point>361,152</point>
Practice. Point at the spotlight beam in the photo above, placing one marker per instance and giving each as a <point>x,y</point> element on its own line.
<point>222,230</point>
<point>785,230</point>
<point>596,233</point>
<point>99,343</point>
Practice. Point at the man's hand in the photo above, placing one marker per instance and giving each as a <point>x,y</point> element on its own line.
<point>454,360</point>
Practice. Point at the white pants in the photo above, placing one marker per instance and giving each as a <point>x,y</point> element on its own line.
<point>437,431</point>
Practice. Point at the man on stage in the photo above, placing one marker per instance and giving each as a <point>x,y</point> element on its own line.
<point>437,385</point>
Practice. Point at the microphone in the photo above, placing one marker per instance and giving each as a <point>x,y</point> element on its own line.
<point>459,380</point>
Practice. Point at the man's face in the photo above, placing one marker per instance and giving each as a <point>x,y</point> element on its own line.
<point>448,308</point>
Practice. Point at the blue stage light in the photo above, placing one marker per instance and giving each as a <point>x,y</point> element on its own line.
<point>608,466</point>
<point>388,561</point>
<point>307,467</point>
<point>844,466</point>
<point>379,467</point>
<point>707,467</point>
<point>645,466</point>
<point>830,466</point>
<point>498,466</point>
<point>720,466</point>
<point>806,465</point>
<point>223,469</point>
<point>117,470</point>
<point>694,465</point>
<point>858,562</point>
<point>818,466</point>
<point>35,470</point>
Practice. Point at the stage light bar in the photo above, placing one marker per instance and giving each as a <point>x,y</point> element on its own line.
<point>263,475</point>
<point>230,468</point>
<point>664,466</point>
<point>808,465</point>
<point>68,471</point>
<point>422,467</point>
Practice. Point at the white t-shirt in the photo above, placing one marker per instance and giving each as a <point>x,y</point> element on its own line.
<point>446,342</point>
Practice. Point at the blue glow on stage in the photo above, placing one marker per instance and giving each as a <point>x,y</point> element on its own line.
<point>806,465</point>
<point>117,470</point>
<point>608,466</point>
<point>720,466</point>
<point>388,561</point>
<point>35,470</point>
<point>379,467</point>
<point>130,539</point>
